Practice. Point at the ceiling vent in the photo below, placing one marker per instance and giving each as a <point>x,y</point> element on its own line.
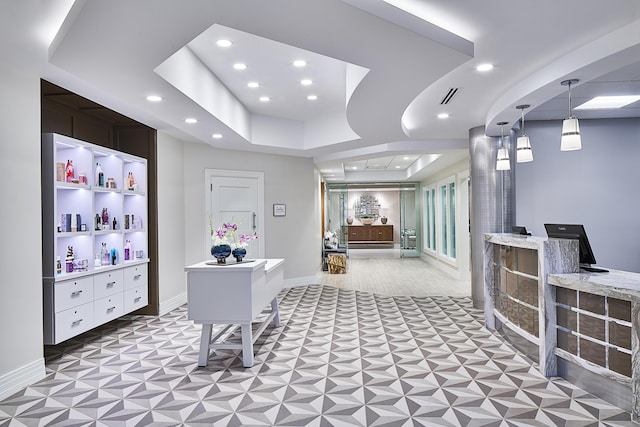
<point>447,98</point>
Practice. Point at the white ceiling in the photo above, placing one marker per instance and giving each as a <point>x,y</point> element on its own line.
<point>380,70</point>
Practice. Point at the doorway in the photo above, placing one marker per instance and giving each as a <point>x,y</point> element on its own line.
<point>374,220</point>
<point>236,197</point>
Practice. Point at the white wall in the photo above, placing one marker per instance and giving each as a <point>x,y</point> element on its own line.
<point>293,181</point>
<point>171,223</point>
<point>597,186</point>
<point>21,361</point>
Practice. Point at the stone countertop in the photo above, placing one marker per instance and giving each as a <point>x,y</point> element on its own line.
<point>617,284</point>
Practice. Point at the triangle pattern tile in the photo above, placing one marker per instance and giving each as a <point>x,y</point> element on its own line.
<point>340,358</point>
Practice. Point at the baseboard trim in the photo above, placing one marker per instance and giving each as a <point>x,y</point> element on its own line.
<point>300,281</point>
<point>172,304</point>
<point>16,380</point>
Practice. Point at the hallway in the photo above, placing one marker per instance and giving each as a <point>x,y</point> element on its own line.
<point>383,272</point>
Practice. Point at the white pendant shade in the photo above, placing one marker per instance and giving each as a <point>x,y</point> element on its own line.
<point>523,150</point>
<point>570,135</point>
<point>503,160</point>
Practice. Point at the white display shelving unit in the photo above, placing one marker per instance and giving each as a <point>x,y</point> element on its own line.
<point>94,292</point>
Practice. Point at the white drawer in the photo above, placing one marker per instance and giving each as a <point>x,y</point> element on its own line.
<point>135,298</point>
<point>108,283</point>
<point>72,293</point>
<point>73,321</point>
<point>135,276</point>
<point>108,308</point>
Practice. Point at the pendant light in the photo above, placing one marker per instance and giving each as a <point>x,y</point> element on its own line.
<point>503,163</point>
<point>523,147</point>
<point>570,127</point>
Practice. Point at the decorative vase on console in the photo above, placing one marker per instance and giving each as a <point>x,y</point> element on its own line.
<point>383,219</point>
<point>239,253</point>
<point>221,253</point>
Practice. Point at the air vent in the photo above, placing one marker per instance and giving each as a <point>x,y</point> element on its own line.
<point>447,98</point>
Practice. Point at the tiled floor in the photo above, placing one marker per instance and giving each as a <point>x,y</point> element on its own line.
<point>340,358</point>
<point>383,271</point>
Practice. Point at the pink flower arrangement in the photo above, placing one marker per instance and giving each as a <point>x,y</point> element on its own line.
<point>227,234</point>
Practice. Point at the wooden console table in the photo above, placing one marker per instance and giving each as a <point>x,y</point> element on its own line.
<point>370,233</point>
<point>233,294</point>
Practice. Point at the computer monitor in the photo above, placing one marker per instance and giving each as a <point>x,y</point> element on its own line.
<point>575,231</point>
<point>517,229</point>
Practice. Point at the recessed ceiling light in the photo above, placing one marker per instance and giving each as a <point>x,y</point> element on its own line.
<point>190,120</point>
<point>312,97</point>
<point>443,115</point>
<point>299,63</point>
<point>216,136</point>
<point>265,99</point>
<point>305,82</point>
<point>224,43</point>
<point>354,168</point>
<point>154,98</point>
<point>608,102</point>
<point>397,167</point>
<point>253,84</point>
<point>240,66</point>
<point>484,67</point>
<point>406,158</point>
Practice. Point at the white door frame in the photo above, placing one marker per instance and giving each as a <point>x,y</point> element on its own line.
<point>222,173</point>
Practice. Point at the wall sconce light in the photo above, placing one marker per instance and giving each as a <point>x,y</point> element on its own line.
<point>523,148</point>
<point>570,127</point>
<point>503,163</point>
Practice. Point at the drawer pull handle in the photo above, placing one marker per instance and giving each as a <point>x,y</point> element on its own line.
<point>110,309</point>
<point>137,276</point>
<point>110,284</point>
<point>76,293</point>
<point>137,299</point>
<point>76,322</point>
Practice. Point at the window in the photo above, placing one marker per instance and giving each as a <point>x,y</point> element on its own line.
<point>430,219</point>
<point>440,219</point>
<point>447,219</point>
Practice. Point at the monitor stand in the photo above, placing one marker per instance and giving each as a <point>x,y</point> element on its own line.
<point>587,267</point>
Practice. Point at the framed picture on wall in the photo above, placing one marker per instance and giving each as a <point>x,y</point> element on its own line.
<point>279,209</point>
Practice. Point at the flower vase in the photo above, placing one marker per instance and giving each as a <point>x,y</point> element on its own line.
<point>221,253</point>
<point>239,253</point>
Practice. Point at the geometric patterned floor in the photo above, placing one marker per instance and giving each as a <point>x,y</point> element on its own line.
<point>339,358</point>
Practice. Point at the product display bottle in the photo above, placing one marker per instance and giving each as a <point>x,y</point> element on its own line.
<point>70,171</point>
<point>127,251</point>
<point>105,217</point>
<point>98,224</point>
<point>99,176</point>
<point>58,266</point>
<point>105,255</point>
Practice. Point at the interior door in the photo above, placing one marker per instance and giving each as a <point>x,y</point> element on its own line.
<point>235,200</point>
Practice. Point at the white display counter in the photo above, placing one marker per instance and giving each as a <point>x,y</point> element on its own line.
<point>233,294</point>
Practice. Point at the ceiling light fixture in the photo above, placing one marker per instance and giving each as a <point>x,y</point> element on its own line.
<point>154,98</point>
<point>265,99</point>
<point>305,82</point>
<point>608,102</point>
<point>216,136</point>
<point>299,63</point>
<point>240,66</point>
<point>224,43</point>
<point>443,115</point>
<point>503,154</point>
<point>190,120</point>
<point>523,147</point>
<point>312,97</point>
<point>484,67</point>
<point>570,127</point>
<point>253,85</point>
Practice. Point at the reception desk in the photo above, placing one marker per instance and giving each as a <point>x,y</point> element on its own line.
<point>581,326</point>
<point>233,295</point>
